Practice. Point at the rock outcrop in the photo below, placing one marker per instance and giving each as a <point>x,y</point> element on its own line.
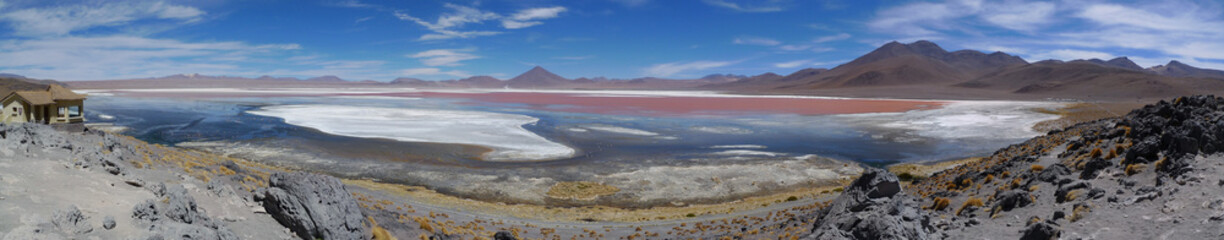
<point>873,207</point>
<point>175,215</point>
<point>314,206</point>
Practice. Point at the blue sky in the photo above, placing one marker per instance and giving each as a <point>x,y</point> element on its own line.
<point>382,40</point>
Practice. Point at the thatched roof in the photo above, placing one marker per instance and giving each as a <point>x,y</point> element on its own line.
<point>53,93</point>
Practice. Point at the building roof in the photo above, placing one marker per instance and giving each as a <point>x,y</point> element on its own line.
<point>36,97</point>
<point>49,96</point>
<point>60,93</point>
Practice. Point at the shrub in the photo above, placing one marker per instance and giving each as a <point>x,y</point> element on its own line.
<point>839,189</point>
<point>989,177</point>
<point>792,199</point>
<point>1136,168</point>
<point>973,202</point>
<point>1037,167</point>
<point>1096,152</point>
<point>940,204</point>
<point>905,176</point>
<point>1079,212</point>
<point>1073,194</point>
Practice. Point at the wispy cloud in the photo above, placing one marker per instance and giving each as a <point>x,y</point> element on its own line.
<point>64,19</point>
<point>575,58</point>
<point>838,37</point>
<point>673,68</point>
<point>749,40</point>
<point>425,72</point>
<point>448,25</point>
<point>755,7</point>
<point>445,57</point>
<point>529,17</point>
<point>792,64</point>
<point>76,58</point>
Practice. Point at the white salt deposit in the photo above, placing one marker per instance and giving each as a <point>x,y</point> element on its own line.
<point>501,132</point>
<point>966,119</point>
<point>721,130</point>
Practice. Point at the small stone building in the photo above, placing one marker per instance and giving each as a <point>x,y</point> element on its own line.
<point>54,105</point>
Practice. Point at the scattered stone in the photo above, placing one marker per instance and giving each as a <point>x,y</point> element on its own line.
<point>1041,231</point>
<point>135,182</point>
<point>1013,199</point>
<point>108,222</point>
<point>504,235</point>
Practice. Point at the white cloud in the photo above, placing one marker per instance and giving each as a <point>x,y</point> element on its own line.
<point>792,64</point>
<point>64,19</point>
<point>759,7</point>
<point>838,37</point>
<point>796,47</point>
<point>456,18</point>
<point>449,24</point>
<point>673,68</point>
<point>756,41</point>
<point>445,57</point>
<point>77,58</point>
<point>433,72</point>
<point>1118,15</point>
<point>527,17</point>
<point>1020,16</point>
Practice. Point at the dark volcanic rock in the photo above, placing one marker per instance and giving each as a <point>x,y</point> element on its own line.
<point>1013,199</point>
<point>504,235</point>
<point>873,207</point>
<point>314,206</point>
<point>1041,231</point>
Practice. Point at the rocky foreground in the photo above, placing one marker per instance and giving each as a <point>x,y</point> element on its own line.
<point>1154,173</point>
<point>95,185</point>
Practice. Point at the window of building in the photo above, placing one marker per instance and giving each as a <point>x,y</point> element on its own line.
<point>74,111</point>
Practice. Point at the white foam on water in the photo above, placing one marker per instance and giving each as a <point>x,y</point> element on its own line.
<point>620,130</point>
<point>504,133</point>
<point>721,130</point>
<point>740,146</point>
<point>747,153</point>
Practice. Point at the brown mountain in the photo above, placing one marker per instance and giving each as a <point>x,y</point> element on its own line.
<point>1178,69</point>
<point>12,83</point>
<point>537,77</point>
<point>1079,79</point>
<point>918,63</point>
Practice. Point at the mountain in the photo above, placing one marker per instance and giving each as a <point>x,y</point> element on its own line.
<point>1178,69</point>
<point>894,63</point>
<point>1077,78</point>
<point>328,78</point>
<point>11,84</point>
<point>537,77</point>
<point>1120,62</point>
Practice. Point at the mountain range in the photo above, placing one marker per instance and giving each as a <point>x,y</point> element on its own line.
<point>921,69</point>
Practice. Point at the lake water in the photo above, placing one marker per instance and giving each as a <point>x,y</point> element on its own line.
<point>412,136</point>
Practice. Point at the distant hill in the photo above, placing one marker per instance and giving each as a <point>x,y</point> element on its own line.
<point>1178,69</point>
<point>537,77</point>
<point>925,70</point>
<point>10,84</point>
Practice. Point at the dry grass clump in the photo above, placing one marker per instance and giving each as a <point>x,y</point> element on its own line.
<point>1096,152</point>
<point>973,202</point>
<point>939,204</point>
<point>1037,167</point>
<point>379,232</point>
<point>1136,168</point>
<point>1079,212</point>
<point>581,190</point>
<point>1073,194</point>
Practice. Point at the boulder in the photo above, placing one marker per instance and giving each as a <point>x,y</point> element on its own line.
<point>1040,231</point>
<point>71,220</point>
<point>873,207</point>
<point>314,206</point>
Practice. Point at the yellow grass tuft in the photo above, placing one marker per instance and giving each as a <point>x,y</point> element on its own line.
<point>1136,168</point>
<point>972,202</point>
<point>939,204</point>
<point>1037,167</point>
<point>1079,213</point>
<point>1096,152</point>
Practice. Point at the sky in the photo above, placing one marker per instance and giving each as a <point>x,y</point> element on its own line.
<point>434,40</point>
